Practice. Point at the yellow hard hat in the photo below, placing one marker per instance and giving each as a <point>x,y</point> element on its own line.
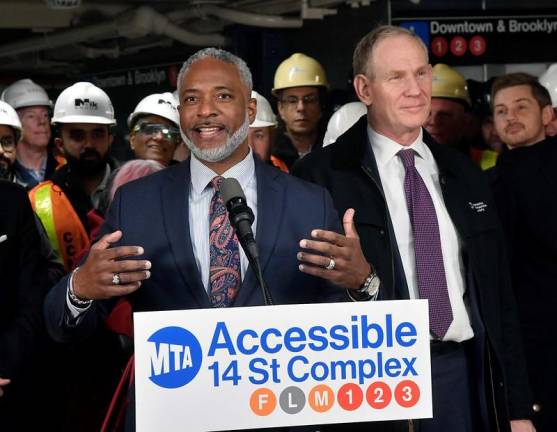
<point>299,70</point>
<point>448,83</point>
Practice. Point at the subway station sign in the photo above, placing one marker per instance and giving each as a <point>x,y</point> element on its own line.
<point>257,367</point>
<point>480,40</point>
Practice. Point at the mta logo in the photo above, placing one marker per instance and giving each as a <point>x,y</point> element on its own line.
<point>175,355</point>
<point>85,104</point>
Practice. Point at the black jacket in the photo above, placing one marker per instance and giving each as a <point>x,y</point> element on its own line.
<point>526,195</point>
<point>348,170</point>
<point>22,288</point>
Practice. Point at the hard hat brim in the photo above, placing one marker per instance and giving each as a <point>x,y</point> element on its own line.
<point>83,119</point>
<point>261,123</point>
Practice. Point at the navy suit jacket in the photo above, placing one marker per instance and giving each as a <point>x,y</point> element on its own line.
<point>152,212</point>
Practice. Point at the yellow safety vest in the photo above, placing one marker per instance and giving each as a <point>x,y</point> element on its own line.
<point>65,231</point>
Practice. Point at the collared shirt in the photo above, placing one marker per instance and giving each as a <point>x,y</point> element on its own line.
<point>28,177</point>
<point>200,195</point>
<point>392,174</point>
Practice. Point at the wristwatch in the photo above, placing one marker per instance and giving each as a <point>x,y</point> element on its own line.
<point>370,286</point>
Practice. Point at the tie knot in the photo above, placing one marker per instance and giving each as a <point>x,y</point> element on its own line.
<point>216,183</point>
<point>407,157</point>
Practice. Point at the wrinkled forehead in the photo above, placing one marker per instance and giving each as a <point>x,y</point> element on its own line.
<point>399,52</point>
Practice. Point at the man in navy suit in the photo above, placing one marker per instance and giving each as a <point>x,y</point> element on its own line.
<point>156,247</point>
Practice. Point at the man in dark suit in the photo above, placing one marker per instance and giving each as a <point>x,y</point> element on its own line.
<point>22,288</point>
<point>428,229</point>
<point>525,185</point>
<point>159,237</point>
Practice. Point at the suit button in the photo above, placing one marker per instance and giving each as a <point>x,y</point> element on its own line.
<point>501,384</point>
<point>537,407</point>
<point>382,232</point>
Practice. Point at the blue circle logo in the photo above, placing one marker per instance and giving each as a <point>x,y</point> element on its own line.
<point>175,355</point>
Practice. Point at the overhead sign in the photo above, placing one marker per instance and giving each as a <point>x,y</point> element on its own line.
<point>256,367</point>
<point>480,40</point>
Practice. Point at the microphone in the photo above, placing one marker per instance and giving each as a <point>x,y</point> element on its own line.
<point>241,217</point>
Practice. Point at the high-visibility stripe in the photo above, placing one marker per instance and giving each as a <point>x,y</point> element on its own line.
<point>43,208</point>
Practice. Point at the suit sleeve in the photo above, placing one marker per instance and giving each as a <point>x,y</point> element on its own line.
<point>58,322</point>
<point>19,337</point>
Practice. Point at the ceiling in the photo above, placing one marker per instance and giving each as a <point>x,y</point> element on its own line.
<point>51,38</point>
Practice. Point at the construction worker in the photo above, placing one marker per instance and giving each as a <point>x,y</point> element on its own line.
<point>449,103</point>
<point>10,131</point>
<point>342,120</point>
<point>262,132</point>
<point>154,128</point>
<point>83,114</point>
<point>35,161</point>
<point>450,120</point>
<point>300,87</point>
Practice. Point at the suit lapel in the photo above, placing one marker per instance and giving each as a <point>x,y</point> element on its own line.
<point>174,196</point>
<point>270,196</point>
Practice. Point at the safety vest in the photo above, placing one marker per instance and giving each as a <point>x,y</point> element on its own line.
<point>484,158</point>
<point>279,164</point>
<point>65,231</point>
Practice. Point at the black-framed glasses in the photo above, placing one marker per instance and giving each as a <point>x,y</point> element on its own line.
<point>7,143</point>
<point>152,129</point>
<point>293,101</point>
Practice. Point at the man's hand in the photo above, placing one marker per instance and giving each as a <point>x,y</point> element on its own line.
<point>351,267</point>
<point>522,426</point>
<point>94,279</point>
<point>3,382</point>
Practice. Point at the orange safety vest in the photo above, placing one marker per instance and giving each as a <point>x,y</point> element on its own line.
<point>279,164</point>
<point>65,231</point>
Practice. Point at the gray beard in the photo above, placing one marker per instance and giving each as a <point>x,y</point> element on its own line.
<point>219,153</point>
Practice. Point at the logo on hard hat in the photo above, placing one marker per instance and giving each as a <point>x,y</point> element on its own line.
<point>162,101</point>
<point>85,104</point>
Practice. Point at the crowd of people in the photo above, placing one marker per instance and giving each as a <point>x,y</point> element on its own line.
<point>425,186</point>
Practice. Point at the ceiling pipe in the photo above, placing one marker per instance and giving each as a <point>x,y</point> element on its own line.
<point>248,18</point>
<point>141,22</point>
<point>234,16</point>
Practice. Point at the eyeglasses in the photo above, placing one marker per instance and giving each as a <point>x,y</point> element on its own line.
<point>169,133</point>
<point>7,143</point>
<point>293,101</point>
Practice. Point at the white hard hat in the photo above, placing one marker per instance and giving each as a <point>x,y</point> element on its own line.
<point>163,105</point>
<point>83,102</point>
<point>8,116</point>
<point>342,120</point>
<point>265,117</point>
<point>25,93</point>
<point>549,80</point>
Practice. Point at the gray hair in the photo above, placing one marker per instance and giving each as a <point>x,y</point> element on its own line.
<point>364,50</point>
<point>218,54</point>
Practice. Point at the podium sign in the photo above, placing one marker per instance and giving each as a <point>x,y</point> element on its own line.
<point>265,366</point>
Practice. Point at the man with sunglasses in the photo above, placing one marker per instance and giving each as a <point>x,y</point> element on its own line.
<point>300,86</point>
<point>154,130</point>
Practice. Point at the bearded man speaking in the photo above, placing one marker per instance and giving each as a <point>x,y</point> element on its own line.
<point>160,246</point>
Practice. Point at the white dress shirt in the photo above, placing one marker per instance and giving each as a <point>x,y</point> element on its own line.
<point>200,195</point>
<point>392,174</point>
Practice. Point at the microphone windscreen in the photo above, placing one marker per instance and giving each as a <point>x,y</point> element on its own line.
<point>230,189</point>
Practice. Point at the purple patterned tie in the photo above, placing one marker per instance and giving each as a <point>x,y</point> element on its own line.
<point>432,283</point>
<point>224,270</point>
